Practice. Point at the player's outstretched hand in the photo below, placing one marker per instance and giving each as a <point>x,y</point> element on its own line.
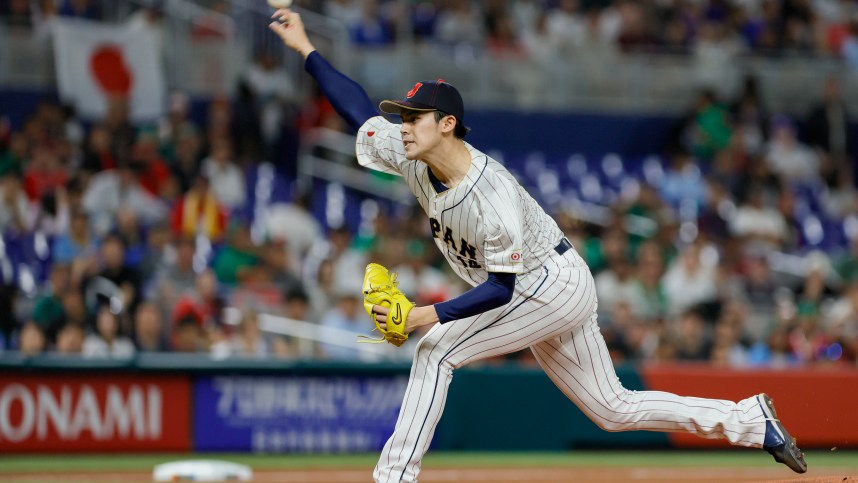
<point>289,26</point>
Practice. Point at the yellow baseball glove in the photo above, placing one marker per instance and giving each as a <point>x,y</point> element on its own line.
<point>379,288</point>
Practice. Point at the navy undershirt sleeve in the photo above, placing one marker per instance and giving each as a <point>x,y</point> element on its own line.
<point>347,96</point>
<point>491,294</point>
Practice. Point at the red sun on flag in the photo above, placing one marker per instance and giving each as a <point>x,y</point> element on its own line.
<point>110,70</point>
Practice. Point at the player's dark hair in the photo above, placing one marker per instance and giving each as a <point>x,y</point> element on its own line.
<point>459,131</point>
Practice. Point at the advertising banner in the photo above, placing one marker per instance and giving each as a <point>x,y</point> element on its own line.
<point>102,412</point>
<point>291,414</point>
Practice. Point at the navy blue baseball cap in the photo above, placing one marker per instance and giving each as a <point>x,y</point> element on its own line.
<point>436,95</point>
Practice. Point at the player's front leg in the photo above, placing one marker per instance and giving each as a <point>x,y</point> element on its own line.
<point>421,409</point>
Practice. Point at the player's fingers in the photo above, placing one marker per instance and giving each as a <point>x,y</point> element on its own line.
<point>378,309</point>
<point>280,12</point>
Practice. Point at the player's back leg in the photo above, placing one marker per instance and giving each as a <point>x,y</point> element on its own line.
<point>579,365</point>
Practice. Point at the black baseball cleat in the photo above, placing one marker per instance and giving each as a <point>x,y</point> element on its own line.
<point>778,441</point>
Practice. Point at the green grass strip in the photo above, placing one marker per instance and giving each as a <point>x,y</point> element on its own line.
<point>145,462</point>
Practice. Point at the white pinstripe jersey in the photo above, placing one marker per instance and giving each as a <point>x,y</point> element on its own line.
<point>486,223</point>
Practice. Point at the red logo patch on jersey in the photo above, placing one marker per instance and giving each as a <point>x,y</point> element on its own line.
<point>516,256</point>
<point>370,133</point>
<point>414,89</point>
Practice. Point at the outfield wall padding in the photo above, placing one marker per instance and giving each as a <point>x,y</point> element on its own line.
<point>194,403</point>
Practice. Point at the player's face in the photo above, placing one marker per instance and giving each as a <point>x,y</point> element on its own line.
<point>420,133</point>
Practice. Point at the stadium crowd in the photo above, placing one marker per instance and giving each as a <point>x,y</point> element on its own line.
<point>145,230</point>
<point>547,28</point>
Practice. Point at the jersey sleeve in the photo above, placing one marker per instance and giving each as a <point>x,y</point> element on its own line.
<point>379,146</point>
<point>503,227</point>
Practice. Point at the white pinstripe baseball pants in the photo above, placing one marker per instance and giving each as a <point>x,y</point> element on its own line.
<point>553,313</point>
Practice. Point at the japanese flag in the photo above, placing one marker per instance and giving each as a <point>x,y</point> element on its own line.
<point>97,62</point>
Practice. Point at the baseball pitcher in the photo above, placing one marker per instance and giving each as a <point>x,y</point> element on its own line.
<point>531,289</point>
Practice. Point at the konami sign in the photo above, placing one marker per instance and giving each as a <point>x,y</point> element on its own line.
<point>94,412</point>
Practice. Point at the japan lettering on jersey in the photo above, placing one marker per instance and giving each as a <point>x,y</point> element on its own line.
<point>486,223</point>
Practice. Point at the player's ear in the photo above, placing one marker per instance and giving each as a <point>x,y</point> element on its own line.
<point>448,123</point>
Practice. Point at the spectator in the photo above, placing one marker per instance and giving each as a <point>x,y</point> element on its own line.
<point>727,349</point>
<point>48,310</point>
<point>152,171</point>
<point>295,225</point>
<point>157,250</point>
<point>750,117</point>
<point>774,352</point>
<point>121,133</point>
<point>709,129</point>
<point>693,342</point>
<point>50,216</point>
<point>690,280</point>
<point>150,18</point>
<point>652,298</point>
<point>787,157</point>
<point>16,13</point>
<point>77,247</point>
<point>372,28</point>
<point>185,167</point>
<point>32,339</point>
<point>566,28</point>
<point>248,340</point>
<point>115,279</point>
<point>98,155</point>
<point>173,280</point>
<point>758,223</point>
<point>74,307</point>
<point>226,179</point>
<point>277,268</point>
<point>275,93</point>
<point>847,263</point>
<point>13,205</point>
<point>128,228</point>
<point>296,305</point>
<point>81,9</point>
<point>616,284</point>
<point>187,334</point>
<point>347,315</point>
<point>44,174</point>
<point>204,304</point>
<point>106,341</point>
<point>424,283</point>
<point>459,25</point>
<point>12,160</point>
<point>110,191</point>
<point>683,183</point>
<point>149,329</point>
<point>70,340</point>
<point>199,213</point>
<point>236,260</point>
<point>828,128</point>
<point>175,126</point>
<point>849,46</point>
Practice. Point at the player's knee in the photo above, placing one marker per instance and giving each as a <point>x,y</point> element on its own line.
<point>609,424</point>
<point>426,347</point>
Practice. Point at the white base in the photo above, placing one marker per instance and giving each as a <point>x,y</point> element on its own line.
<point>202,470</point>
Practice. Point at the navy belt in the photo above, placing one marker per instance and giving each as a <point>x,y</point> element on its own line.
<point>563,246</point>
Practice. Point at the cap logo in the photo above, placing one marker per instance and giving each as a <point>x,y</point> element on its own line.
<point>370,133</point>
<point>414,89</point>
